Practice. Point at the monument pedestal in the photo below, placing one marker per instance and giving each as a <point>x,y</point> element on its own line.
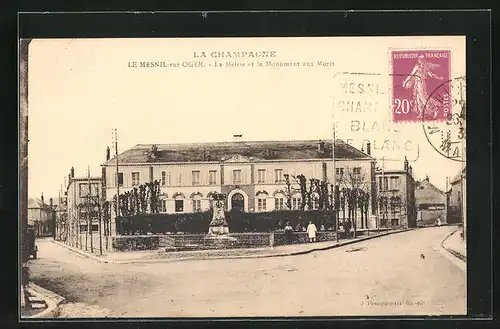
<point>218,230</point>
<point>218,225</point>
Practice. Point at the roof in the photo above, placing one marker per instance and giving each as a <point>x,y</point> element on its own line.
<point>458,176</point>
<point>426,192</point>
<point>220,151</point>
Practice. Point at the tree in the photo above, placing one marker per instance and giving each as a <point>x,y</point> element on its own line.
<point>356,186</point>
<point>302,182</point>
<point>288,191</point>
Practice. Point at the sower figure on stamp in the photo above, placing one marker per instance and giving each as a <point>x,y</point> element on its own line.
<point>416,81</point>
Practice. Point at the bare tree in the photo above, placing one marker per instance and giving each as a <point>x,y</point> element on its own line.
<point>354,188</point>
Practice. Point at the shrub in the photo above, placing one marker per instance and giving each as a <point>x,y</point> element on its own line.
<point>238,221</point>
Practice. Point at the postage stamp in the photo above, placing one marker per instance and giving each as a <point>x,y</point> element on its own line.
<point>416,74</point>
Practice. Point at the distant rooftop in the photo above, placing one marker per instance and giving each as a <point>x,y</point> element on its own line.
<point>219,151</point>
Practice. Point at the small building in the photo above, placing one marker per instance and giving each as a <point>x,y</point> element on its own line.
<point>454,198</point>
<point>430,203</point>
<point>82,204</point>
<point>40,216</point>
<point>396,197</point>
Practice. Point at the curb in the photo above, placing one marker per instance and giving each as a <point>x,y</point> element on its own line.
<point>296,253</point>
<point>451,251</point>
<point>52,299</point>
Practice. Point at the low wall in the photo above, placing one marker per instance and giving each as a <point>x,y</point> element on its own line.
<point>302,237</point>
<point>179,242</point>
<point>135,242</point>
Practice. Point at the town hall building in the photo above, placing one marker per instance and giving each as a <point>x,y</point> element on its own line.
<point>250,173</point>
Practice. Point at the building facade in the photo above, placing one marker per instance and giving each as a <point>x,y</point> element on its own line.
<point>250,174</point>
<point>396,198</point>
<point>81,206</point>
<point>455,198</point>
<point>41,216</point>
<point>430,202</point>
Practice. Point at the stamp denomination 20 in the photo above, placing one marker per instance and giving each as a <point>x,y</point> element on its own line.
<point>415,74</point>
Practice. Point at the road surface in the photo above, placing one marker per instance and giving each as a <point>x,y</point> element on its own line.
<point>386,276</point>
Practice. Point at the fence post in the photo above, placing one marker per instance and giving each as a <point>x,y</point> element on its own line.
<point>271,239</point>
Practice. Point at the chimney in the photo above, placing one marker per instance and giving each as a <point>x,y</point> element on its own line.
<point>51,202</point>
<point>406,165</point>
<point>41,198</point>
<point>369,148</point>
<point>108,154</point>
<point>72,175</point>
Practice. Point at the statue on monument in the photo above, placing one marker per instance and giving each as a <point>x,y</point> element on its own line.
<point>218,225</point>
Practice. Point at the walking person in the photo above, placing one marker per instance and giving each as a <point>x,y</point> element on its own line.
<point>347,228</point>
<point>288,233</point>
<point>311,231</point>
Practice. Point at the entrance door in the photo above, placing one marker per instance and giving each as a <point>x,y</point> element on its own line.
<point>238,202</point>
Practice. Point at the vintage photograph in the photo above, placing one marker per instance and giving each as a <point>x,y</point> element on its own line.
<point>243,177</point>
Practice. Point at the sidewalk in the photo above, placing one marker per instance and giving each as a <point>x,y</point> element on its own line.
<point>41,303</point>
<point>153,256</point>
<point>455,245</point>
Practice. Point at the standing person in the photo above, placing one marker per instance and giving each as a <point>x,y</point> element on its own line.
<point>347,228</point>
<point>288,233</point>
<point>439,221</point>
<point>311,231</point>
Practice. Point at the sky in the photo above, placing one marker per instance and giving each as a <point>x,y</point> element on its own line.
<point>79,91</point>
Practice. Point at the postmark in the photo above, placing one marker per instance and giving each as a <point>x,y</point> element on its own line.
<point>415,74</point>
<point>448,138</point>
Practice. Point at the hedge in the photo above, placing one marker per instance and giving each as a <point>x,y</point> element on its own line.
<point>238,222</point>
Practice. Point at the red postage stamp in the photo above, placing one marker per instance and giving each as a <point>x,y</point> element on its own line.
<point>416,76</point>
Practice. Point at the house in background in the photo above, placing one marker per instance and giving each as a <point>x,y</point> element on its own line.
<point>396,196</point>
<point>430,202</point>
<point>80,205</point>
<point>455,200</point>
<point>40,216</point>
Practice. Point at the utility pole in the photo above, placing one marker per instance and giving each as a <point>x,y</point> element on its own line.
<point>334,179</point>
<point>117,177</point>
<point>99,218</point>
<point>89,218</point>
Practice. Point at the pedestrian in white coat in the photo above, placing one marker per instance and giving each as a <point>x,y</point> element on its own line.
<point>311,232</point>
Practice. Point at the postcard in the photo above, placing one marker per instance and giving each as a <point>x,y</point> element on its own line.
<point>244,177</point>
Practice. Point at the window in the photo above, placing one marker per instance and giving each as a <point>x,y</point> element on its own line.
<point>380,186</point>
<point>278,176</point>
<point>84,189</point>
<point>196,205</point>
<point>394,183</point>
<point>212,177</point>
<point>261,204</point>
<point>135,179</point>
<point>165,178</point>
<point>163,205</point>
<point>120,179</point>
<point>296,202</point>
<point>357,170</point>
<point>339,172</point>
<point>261,176</point>
<point>314,202</point>
<point>196,177</point>
<point>179,205</point>
<point>386,183</point>
<point>237,176</point>
<point>279,203</point>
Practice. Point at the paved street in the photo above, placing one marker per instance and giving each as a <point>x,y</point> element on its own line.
<point>387,276</point>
